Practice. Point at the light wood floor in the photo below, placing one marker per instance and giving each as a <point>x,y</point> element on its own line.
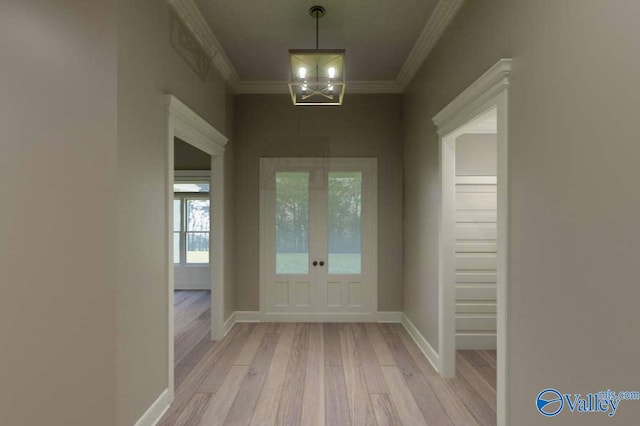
<point>333,374</point>
<point>192,325</point>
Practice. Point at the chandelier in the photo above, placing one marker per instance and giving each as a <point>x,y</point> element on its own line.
<point>317,75</point>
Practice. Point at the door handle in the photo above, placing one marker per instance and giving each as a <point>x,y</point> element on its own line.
<point>321,263</point>
<point>316,263</point>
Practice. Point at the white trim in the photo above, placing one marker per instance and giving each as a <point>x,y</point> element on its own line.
<point>464,107</point>
<point>320,317</point>
<point>257,316</point>
<point>185,124</point>
<point>228,323</point>
<point>488,92</point>
<point>481,132</point>
<point>476,180</point>
<point>154,413</point>
<point>422,343</point>
<point>438,22</point>
<point>193,285</point>
<point>282,87</point>
<point>190,125</point>
<point>190,14</point>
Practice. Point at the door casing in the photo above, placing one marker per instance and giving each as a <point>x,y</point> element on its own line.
<point>489,91</point>
<point>185,124</point>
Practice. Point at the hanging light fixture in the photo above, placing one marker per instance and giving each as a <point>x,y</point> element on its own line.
<point>317,76</point>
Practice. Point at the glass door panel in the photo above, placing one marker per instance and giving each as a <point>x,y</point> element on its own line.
<point>292,223</point>
<point>345,222</point>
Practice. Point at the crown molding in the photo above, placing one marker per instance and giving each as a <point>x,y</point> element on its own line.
<point>282,87</point>
<point>440,19</point>
<point>438,22</point>
<point>190,14</point>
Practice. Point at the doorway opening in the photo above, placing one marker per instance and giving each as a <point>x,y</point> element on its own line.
<point>195,236</point>
<point>473,240</point>
<point>191,257</point>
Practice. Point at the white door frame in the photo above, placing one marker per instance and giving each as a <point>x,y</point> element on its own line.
<point>370,168</point>
<point>488,92</point>
<point>188,126</point>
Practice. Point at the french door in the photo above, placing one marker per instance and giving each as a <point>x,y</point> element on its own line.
<point>318,232</point>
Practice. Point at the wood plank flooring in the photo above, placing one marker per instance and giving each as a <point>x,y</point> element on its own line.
<point>192,325</point>
<point>333,374</point>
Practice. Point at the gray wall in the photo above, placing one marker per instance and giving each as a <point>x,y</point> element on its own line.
<point>187,157</point>
<point>573,202</point>
<point>476,155</point>
<point>148,68</point>
<point>57,214</point>
<point>365,126</point>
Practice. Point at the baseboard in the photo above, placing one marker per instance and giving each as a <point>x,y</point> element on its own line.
<point>422,343</point>
<point>228,323</point>
<point>477,341</point>
<point>155,412</point>
<point>196,286</point>
<point>257,316</point>
<point>331,317</point>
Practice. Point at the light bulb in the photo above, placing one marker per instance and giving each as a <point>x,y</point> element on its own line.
<point>332,72</point>
<point>302,72</point>
<point>330,87</point>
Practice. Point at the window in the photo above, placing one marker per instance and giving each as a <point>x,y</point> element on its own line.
<point>191,212</point>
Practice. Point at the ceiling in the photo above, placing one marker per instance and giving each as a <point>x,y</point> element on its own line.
<point>385,41</point>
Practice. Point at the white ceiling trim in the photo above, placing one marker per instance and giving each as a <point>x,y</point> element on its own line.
<point>281,87</point>
<point>188,11</point>
<point>440,19</point>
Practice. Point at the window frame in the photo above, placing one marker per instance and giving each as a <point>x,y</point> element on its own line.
<point>183,197</point>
